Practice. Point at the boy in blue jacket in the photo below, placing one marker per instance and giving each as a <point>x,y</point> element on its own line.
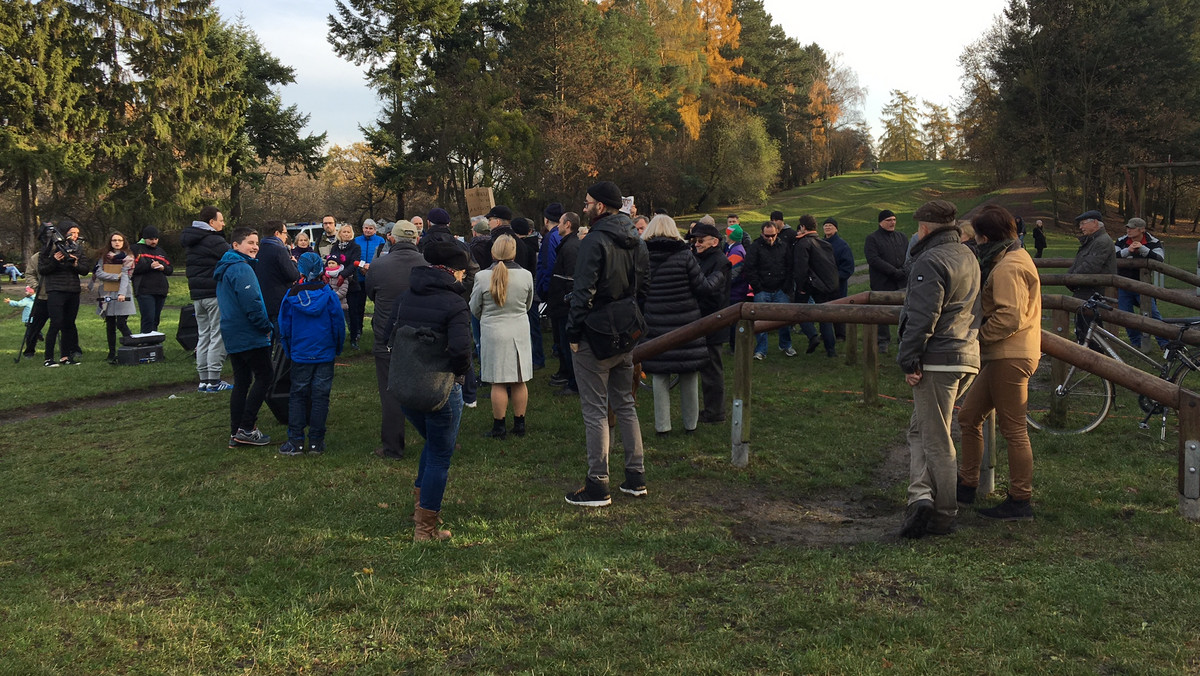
<point>246,331</point>
<point>311,329</point>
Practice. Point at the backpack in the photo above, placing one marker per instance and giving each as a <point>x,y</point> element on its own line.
<point>420,376</point>
<point>822,269</point>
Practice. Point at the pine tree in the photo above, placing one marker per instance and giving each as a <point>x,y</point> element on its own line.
<point>938,130</point>
<point>901,129</point>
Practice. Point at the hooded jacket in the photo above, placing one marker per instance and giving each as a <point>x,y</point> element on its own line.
<point>434,299</point>
<point>311,325</point>
<point>939,325</point>
<point>612,264</point>
<point>244,321</point>
<point>146,280</point>
<point>202,247</point>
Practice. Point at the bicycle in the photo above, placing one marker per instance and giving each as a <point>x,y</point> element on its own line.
<point>1064,399</point>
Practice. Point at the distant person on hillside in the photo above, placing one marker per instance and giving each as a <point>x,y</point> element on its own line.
<point>769,271</point>
<point>1039,238</point>
<point>1137,244</point>
<point>939,354</point>
<point>885,251</point>
<point>1097,255</point>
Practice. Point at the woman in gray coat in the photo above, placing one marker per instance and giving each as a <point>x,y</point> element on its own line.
<point>115,296</point>
<point>501,298</point>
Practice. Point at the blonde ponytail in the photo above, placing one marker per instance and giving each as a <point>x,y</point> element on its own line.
<point>504,249</point>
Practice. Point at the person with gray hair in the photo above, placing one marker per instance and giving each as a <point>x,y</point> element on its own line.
<point>1141,245</point>
<point>1096,256</point>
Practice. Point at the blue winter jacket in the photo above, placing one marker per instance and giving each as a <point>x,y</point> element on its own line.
<point>244,321</point>
<point>545,262</point>
<point>368,246</point>
<point>311,325</point>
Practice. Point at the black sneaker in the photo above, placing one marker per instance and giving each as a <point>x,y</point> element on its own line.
<point>1009,510</point>
<point>558,380</point>
<point>634,484</point>
<point>291,448</point>
<point>593,494</point>
<point>965,494</point>
<point>50,363</point>
<point>316,447</point>
<point>813,344</point>
<point>916,518</point>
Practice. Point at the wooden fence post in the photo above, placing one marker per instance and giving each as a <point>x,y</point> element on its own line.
<point>743,360</point>
<point>1064,328</point>
<point>851,344</point>
<point>870,343</point>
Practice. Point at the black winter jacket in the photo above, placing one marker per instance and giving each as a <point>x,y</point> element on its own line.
<point>562,277</point>
<point>526,257</point>
<point>671,302</point>
<point>387,280</point>
<point>769,266</point>
<point>714,262</point>
<point>146,280</point>
<point>885,253</point>
<point>276,272</point>
<point>55,275</point>
<point>202,249</point>
<point>436,233</point>
<point>612,264</point>
<point>814,269</point>
<point>349,255</point>
<point>434,299</point>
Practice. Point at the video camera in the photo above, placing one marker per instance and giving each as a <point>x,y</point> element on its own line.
<point>53,240</point>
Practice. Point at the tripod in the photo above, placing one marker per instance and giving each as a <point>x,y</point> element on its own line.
<point>24,342</point>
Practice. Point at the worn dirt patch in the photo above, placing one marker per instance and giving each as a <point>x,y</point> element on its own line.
<point>96,401</point>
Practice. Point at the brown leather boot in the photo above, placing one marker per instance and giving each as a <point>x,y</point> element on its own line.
<point>427,526</point>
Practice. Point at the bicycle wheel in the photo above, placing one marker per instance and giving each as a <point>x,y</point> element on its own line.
<point>1067,405</point>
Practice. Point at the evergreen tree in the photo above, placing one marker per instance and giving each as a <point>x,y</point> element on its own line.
<point>941,137</point>
<point>901,129</point>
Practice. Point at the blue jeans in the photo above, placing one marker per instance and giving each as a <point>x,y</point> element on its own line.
<point>1126,300</point>
<point>308,401</point>
<point>827,334</point>
<point>440,430</point>
<point>475,334</point>
<point>785,333</point>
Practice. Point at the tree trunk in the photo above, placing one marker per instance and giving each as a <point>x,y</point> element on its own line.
<point>29,216</point>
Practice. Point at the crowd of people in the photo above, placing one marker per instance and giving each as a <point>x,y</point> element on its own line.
<point>970,324</point>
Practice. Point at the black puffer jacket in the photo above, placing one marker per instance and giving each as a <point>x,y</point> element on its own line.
<point>434,299</point>
<point>276,272</point>
<point>146,280</point>
<point>612,264</point>
<point>714,262</point>
<point>202,249</point>
<point>55,275</point>
<point>671,302</point>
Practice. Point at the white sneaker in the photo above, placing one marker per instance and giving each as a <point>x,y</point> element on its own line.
<point>470,404</point>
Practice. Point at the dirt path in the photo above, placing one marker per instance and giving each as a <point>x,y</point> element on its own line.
<point>95,401</point>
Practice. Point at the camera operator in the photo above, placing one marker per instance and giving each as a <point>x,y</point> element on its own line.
<point>60,264</point>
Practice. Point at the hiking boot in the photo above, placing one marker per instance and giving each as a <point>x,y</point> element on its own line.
<point>518,427</point>
<point>916,518</point>
<point>316,447</point>
<point>291,448</point>
<point>252,438</point>
<point>497,431</point>
<point>634,484</point>
<point>965,494</point>
<point>1009,510</point>
<point>593,494</point>
<point>788,351</point>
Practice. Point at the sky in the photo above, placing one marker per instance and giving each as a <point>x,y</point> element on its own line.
<point>912,46</point>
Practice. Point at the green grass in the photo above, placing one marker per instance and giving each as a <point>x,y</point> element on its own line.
<point>134,541</point>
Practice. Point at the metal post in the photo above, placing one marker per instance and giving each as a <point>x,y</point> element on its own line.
<point>743,361</point>
<point>1189,455</point>
<point>987,468</point>
<point>870,364</point>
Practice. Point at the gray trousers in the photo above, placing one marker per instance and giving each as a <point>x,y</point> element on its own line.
<point>391,428</point>
<point>932,467</point>
<point>604,383</point>
<point>210,347</point>
<point>689,400</point>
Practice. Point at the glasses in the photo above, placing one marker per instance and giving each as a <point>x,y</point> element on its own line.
<point>587,204</point>
<point>770,236</point>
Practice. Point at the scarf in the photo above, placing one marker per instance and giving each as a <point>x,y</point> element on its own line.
<point>990,253</point>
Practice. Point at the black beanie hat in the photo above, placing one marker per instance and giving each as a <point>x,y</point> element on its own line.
<point>553,212</point>
<point>150,232</point>
<point>606,193</point>
<point>522,226</point>
<point>448,254</point>
<point>886,214</point>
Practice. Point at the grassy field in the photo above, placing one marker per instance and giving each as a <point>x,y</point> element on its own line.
<point>134,541</point>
